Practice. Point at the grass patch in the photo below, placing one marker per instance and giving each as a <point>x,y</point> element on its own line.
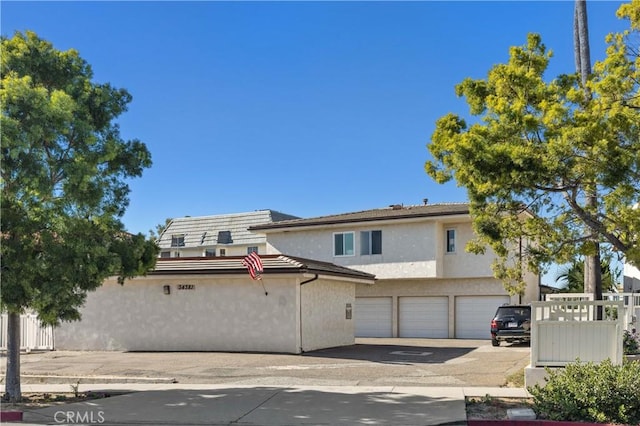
<point>515,380</point>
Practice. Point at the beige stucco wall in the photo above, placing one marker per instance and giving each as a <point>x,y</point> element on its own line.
<point>409,249</point>
<point>219,314</point>
<point>324,322</point>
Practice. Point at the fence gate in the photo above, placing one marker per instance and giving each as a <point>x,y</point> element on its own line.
<point>33,335</point>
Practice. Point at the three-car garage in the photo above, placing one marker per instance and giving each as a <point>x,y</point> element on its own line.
<point>449,316</point>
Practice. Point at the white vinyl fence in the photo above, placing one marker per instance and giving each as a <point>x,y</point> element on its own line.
<point>565,330</point>
<point>33,335</point>
<point>630,311</point>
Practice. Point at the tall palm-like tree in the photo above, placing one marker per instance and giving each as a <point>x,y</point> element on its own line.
<point>572,276</point>
<point>582,55</point>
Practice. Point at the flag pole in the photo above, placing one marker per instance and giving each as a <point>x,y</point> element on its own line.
<point>263,287</point>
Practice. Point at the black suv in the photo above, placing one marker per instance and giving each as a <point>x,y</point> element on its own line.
<point>511,323</point>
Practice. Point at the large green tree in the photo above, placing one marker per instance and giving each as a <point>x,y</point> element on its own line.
<point>64,170</point>
<point>538,149</point>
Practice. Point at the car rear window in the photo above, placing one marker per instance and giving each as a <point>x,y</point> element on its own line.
<point>513,312</point>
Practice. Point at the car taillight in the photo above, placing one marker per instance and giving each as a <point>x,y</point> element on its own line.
<point>494,324</point>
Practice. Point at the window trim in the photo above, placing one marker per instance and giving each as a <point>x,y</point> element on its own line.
<point>353,244</point>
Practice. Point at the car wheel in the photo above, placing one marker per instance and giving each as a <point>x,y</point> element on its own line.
<point>495,342</point>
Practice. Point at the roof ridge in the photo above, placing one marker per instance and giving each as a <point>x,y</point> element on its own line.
<point>209,216</point>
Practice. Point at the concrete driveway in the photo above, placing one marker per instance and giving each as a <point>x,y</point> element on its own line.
<point>370,362</point>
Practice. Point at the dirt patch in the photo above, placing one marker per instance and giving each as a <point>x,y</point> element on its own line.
<point>42,400</point>
<point>490,408</point>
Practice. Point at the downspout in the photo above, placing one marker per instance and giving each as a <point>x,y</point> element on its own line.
<point>301,284</point>
<point>309,280</point>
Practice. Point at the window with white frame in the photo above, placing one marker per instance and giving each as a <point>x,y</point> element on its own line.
<point>343,244</point>
<point>177,240</point>
<point>210,253</point>
<point>252,249</point>
<point>165,254</point>
<point>223,252</point>
<point>451,240</point>
<point>370,242</point>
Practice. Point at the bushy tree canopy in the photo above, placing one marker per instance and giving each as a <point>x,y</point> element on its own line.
<point>537,147</point>
<point>64,170</point>
<point>64,166</point>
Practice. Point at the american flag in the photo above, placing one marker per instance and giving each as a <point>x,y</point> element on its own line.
<point>254,265</point>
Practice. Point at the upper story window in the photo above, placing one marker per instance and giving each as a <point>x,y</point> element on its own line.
<point>343,244</point>
<point>177,240</point>
<point>451,241</point>
<point>252,249</point>
<point>224,237</point>
<point>370,242</point>
<point>165,254</point>
<point>210,253</point>
<point>223,252</point>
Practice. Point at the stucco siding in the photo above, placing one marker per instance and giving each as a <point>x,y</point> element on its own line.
<point>461,263</point>
<point>400,243</point>
<point>409,250</point>
<point>216,314</point>
<point>324,320</point>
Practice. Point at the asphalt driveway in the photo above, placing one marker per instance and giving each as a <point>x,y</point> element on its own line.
<point>370,362</point>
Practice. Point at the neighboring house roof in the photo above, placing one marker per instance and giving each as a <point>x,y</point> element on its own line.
<point>273,264</point>
<point>204,231</point>
<point>390,213</point>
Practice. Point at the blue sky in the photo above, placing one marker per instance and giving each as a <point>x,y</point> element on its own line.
<point>309,108</point>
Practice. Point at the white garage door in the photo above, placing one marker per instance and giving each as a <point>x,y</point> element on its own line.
<point>424,317</point>
<point>474,314</point>
<point>373,317</point>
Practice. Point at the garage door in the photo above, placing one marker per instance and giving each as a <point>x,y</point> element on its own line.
<point>423,317</point>
<point>373,317</point>
<point>474,314</point>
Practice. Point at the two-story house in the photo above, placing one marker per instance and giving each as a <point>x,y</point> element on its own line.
<point>427,284</point>
<point>217,236</point>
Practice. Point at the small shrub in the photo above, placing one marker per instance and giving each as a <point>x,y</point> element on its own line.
<point>631,342</point>
<point>589,392</point>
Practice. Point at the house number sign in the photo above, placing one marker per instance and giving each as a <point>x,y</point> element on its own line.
<point>186,286</point>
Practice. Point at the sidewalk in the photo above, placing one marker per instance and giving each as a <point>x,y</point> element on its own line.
<point>184,404</point>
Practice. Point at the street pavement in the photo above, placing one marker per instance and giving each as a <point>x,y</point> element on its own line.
<point>376,381</point>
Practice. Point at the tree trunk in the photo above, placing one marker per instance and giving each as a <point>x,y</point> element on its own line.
<point>12,379</point>
<point>582,54</point>
<point>582,50</point>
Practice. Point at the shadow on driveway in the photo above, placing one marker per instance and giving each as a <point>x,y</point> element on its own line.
<point>393,354</point>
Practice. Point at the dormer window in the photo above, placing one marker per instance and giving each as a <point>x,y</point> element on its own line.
<point>177,240</point>
<point>224,237</point>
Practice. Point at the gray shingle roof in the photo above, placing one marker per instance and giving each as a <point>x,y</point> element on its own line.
<point>204,230</point>
<point>273,264</point>
<point>388,213</point>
